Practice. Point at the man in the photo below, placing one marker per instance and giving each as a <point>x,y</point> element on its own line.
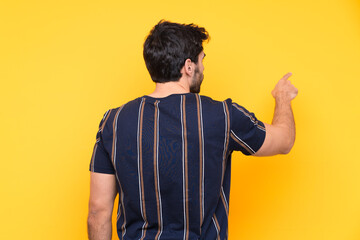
<point>168,153</point>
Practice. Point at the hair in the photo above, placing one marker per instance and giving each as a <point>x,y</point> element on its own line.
<point>168,46</point>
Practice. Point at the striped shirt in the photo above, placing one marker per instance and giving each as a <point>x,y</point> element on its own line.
<point>171,157</point>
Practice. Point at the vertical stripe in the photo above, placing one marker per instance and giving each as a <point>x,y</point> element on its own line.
<point>185,168</point>
<point>225,202</point>
<point>104,119</point>
<point>201,159</point>
<point>156,169</point>
<point>140,168</point>
<point>186,172</point>
<point>113,158</point>
<point>226,135</point>
<point>93,157</point>
<point>182,141</point>
<point>106,116</point>
<point>217,227</point>
<point>123,228</point>
<point>118,215</point>
<point>226,143</point>
<point>113,155</point>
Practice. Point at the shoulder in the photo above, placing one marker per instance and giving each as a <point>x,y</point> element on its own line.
<point>207,99</point>
<point>235,111</point>
<point>132,104</point>
<point>112,114</point>
<point>212,104</point>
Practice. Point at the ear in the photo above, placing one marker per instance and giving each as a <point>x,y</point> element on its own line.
<point>189,67</point>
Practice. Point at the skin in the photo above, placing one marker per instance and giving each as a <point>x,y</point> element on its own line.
<point>280,135</point>
<point>280,138</point>
<point>102,196</point>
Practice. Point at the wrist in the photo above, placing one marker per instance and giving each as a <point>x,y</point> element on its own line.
<point>282,98</point>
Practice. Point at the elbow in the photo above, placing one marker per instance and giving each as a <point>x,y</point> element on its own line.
<point>287,146</point>
<point>99,213</point>
<point>285,151</point>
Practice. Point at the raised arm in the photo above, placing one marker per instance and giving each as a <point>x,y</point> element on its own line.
<point>102,195</point>
<point>280,135</point>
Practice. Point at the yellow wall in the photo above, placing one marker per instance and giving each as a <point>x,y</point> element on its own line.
<point>64,63</point>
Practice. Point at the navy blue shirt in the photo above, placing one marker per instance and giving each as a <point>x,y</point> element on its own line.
<point>171,157</point>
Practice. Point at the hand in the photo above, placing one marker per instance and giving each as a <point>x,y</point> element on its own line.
<point>284,89</point>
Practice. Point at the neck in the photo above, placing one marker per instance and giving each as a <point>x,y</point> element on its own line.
<point>168,88</point>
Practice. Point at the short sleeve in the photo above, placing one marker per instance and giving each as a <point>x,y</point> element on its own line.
<point>100,159</point>
<point>247,133</point>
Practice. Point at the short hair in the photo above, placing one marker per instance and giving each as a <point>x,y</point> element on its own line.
<point>167,47</point>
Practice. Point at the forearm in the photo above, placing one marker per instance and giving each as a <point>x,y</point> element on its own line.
<point>99,226</point>
<point>284,119</point>
<point>280,135</point>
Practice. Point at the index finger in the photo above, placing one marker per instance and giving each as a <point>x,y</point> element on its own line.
<point>286,76</point>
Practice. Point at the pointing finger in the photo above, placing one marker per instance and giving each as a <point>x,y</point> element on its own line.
<point>286,76</point>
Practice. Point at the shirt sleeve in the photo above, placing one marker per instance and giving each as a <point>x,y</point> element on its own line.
<point>100,159</point>
<point>247,133</point>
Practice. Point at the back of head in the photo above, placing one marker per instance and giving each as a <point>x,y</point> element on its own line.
<point>167,47</point>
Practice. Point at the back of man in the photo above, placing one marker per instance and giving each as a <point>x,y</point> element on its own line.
<point>172,159</point>
<point>168,154</point>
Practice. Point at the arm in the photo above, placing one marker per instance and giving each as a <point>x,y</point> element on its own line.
<point>102,195</point>
<point>280,135</point>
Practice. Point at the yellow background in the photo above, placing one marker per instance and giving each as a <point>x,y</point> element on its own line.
<point>64,63</point>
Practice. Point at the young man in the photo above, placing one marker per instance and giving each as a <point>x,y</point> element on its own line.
<point>168,154</point>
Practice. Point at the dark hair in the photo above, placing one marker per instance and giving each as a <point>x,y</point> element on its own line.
<point>167,47</point>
